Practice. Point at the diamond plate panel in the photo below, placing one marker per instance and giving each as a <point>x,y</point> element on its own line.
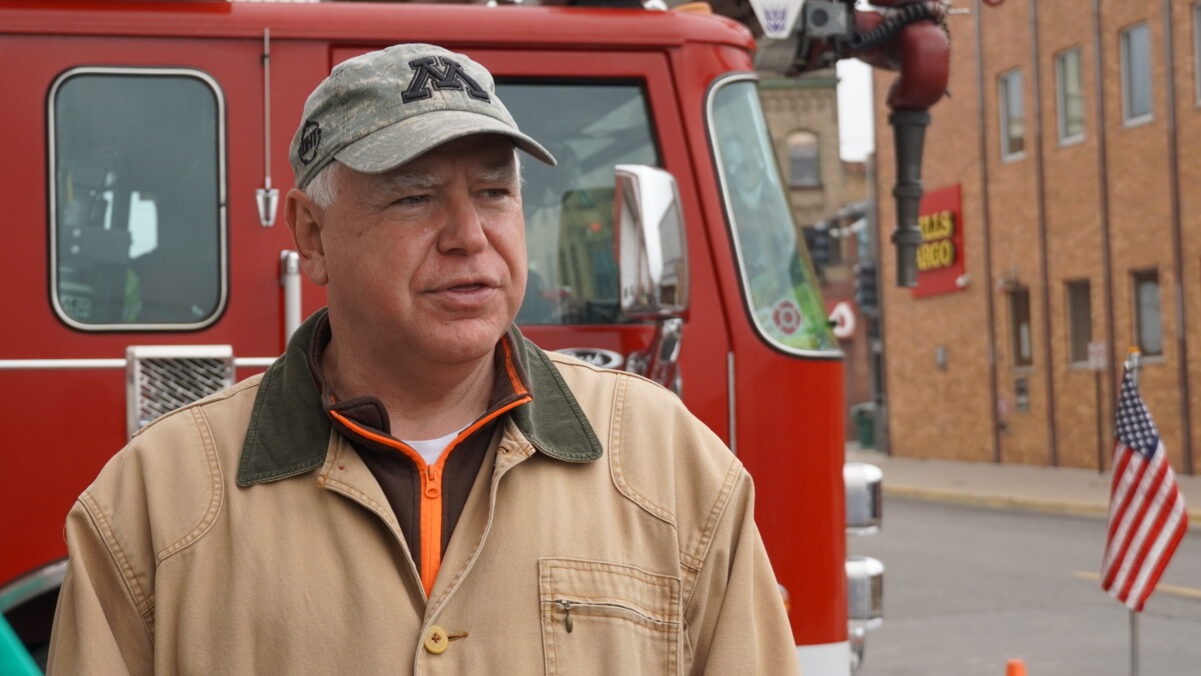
<point>161,379</point>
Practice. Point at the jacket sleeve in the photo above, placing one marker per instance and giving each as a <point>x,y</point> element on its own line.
<point>98,628</point>
<point>736,618</point>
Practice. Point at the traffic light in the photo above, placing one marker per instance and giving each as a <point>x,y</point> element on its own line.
<point>866,291</point>
<point>820,246</point>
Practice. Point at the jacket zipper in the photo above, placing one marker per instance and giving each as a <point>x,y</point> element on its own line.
<point>431,482</point>
<point>431,525</point>
<point>431,500</point>
<point>568,606</point>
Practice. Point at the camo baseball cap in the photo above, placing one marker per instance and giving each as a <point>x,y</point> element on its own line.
<point>379,110</point>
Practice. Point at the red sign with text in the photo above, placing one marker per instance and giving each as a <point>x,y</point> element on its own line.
<point>940,266</point>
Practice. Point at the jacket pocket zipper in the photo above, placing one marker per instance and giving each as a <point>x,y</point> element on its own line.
<point>567,607</point>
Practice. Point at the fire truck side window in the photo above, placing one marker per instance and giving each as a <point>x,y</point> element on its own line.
<point>589,127</point>
<point>137,224</point>
<point>777,277</point>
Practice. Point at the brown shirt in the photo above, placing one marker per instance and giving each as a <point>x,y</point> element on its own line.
<point>426,499</point>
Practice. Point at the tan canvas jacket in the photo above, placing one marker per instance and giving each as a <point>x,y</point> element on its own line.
<point>609,531</point>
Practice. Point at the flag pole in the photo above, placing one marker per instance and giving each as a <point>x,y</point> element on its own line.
<point>1132,365</point>
<point>1133,643</point>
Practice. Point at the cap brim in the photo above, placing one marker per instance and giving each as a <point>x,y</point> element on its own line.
<point>394,145</point>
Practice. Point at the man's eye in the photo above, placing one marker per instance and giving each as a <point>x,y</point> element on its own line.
<point>412,200</point>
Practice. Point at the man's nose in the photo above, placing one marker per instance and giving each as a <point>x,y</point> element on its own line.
<point>463,227</point>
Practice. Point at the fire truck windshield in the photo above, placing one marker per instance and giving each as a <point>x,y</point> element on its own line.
<point>778,282</point>
<point>589,127</point>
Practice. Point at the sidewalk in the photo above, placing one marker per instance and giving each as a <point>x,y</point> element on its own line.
<point>1050,489</point>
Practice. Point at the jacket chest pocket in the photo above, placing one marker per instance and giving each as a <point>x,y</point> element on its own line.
<point>608,618</point>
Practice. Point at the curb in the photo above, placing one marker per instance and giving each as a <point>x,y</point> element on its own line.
<point>1073,508</point>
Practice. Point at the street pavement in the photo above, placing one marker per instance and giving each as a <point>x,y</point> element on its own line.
<point>1049,489</point>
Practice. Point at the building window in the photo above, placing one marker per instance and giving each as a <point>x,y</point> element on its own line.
<point>137,176</point>
<point>1148,322</point>
<point>804,169</point>
<point>1080,322</point>
<point>1013,124</point>
<point>1136,73</point>
<point>1197,50</point>
<point>1069,95</point>
<point>1019,321</point>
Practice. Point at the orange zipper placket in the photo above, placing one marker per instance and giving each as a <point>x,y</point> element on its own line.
<point>431,475</point>
<point>431,484</point>
<point>431,522</point>
<point>430,515</point>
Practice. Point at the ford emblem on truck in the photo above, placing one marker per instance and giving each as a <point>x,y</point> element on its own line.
<point>596,356</point>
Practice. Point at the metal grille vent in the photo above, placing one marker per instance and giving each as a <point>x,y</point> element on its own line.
<point>160,378</point>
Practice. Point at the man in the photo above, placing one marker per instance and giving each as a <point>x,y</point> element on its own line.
<point>413,487</point>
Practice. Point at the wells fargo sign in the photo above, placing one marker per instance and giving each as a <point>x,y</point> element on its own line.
<point>940,255</point>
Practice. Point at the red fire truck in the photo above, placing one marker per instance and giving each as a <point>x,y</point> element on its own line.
<point>145,265</point>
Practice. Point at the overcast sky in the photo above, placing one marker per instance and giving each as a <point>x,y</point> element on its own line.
<point>855,133</point>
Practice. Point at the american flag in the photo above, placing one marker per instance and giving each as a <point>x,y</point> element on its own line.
<point>1146,511</point>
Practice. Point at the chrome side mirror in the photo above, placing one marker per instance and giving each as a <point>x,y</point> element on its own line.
<point>651,252</point>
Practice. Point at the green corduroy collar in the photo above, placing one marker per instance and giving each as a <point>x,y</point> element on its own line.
<point>289,432</point>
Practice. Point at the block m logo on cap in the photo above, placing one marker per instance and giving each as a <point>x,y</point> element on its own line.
<point>356,117</point>
<point>442,73</point>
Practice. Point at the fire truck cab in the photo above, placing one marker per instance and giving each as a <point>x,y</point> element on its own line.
<point>146,265</point>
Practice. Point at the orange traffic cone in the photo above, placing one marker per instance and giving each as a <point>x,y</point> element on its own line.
<point>1015,667</point>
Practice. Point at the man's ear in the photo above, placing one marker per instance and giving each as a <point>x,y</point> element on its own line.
<point>306,221</point>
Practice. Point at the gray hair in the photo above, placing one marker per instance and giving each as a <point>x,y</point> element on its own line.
<point>323,188</point>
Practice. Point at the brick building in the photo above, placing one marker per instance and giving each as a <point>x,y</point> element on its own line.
<point>1068,141</point>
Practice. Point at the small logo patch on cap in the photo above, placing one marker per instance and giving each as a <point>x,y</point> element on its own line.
<point>310,139</point>
<point>451,76</point>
